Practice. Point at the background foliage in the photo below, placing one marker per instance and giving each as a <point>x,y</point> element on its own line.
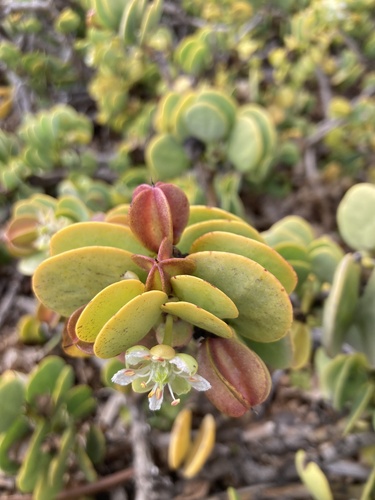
<point>265,110</point>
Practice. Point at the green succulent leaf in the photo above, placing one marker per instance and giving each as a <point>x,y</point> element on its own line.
<point>95,442</point>
<point>245,145</point>
<point>104,306</point>
<point>12,397</point>
<point>206,122</point>
<point>58,464</point>
<point>252,249</point>
<point>35,460</point>
<point>220,101</point>
<point>263,303</point>
<point>64,382</point>
<point>202,213</point>
<point>166,157</point>
<point>19,428</point>
<point>70,280</point>
<point>109,12</point>
<point>93,233</point>
<point>80,402</point>
<point>194,231</point>
<point>313,477</point>
<point>130,324</point>
<point>42,379</point>
<point>278,354</point>
<point>355,217</point>
<point>360,404</point>
<point>198,317</point>
<point>340,306</point>
<point>201,293</point>
<point>364,321</point>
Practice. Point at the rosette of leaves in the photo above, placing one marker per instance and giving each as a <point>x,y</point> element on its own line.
<point>114,47</point>
<point>43,415</point>
<point>218,133</point>
<point>47,140</point>
<point>195,54</point>
<point>311,257</point>
<point>34,221</point>
<point>315,261</point>
<point>348,314</point>
<point>167,266</point>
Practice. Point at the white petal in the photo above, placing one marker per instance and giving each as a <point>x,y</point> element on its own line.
<point>199,383</point>
<point>155,401</point>
<point>123,377</point>
<point>134,357</point>
<point>181,365</point>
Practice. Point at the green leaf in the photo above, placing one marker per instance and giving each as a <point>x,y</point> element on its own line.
<point>104,306</point>
<point>64,382</point>
<point>109,12</point>
<point>34,461</point>
<point>14,434</point>
<point>197,291</point>
<point>264,305</point>
<point>245,146</point>
<point>365,320</point>
<point>252,249</point>
<point>201,213</point>
<point>360,404</point>
<point>198,317</point>
<point>220,101</point>
<point>12,397</point>
<point>166,157</point>
<point>150,19</point>
<point>278,354</point>
<point>355,217</point>
<point>42,379</point>
<point>313,477</point>
<point>95,443</point>
<point>194,231</point>
<point>94,233</point>
<point>70,280</point>
<point>206,122</point>
<point>131,323</point>
<point>58,464</point>
<point>73,208</point>
<point>79,401</point>
<point>340,306</point>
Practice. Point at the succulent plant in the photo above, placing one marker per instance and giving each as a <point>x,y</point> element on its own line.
<point>34,221</point>
<point>168,264</point>
<point>44,413</point>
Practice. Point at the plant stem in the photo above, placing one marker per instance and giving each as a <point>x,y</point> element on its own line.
<point>168,331</point>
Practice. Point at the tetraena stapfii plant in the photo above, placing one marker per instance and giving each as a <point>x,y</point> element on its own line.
<point>161,277</point>
<point>42,416</point>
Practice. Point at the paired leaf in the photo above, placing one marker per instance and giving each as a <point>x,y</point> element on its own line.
<point>264,305</point>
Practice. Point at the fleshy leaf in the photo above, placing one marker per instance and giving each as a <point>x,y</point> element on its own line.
<point>252,249</point>
<point>180,438</point>
<point>93,233</point>
<point>130,324</point>
<point>194,231</point>
<point>69,280</point>
<point>201,448</point>
<point>264,306</point>
<point>238,376</point>
<point>104,306</point>
<point>198,317</point>
<point>341,303</point>
<point>201,293</point>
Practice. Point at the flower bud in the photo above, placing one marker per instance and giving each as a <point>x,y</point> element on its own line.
<point>239,378</point>
<point>158,212</point>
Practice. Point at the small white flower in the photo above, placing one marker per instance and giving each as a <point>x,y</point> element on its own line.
<point>150,370</point>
